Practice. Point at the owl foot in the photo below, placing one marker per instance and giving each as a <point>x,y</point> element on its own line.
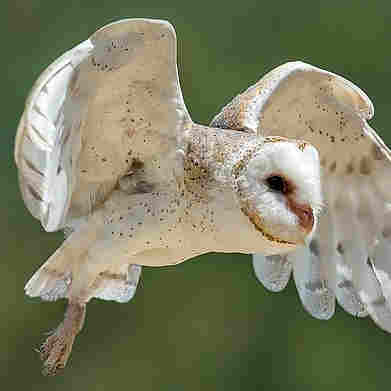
<point>57,348</point>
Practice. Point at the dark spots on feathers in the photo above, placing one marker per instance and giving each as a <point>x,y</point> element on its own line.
<point>350,168</point>
<point>99,66</point>
<point>365,165</point>
<point>345,284</point>
<point>340,249</point>
<point>143,187</point>
<point>314,247</point>
<point>137,164</point>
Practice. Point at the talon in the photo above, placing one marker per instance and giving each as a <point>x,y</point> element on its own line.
<point>57,348</point>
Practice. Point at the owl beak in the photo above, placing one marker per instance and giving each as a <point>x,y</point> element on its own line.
<point>306,218</point>
<point>305,215</point>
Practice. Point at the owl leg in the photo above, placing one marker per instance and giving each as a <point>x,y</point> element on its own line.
<point>56,349</point>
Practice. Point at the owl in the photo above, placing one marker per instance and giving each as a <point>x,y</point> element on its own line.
<point>289,171</point>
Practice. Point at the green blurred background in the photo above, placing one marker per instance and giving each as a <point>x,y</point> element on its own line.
<point>205,324</point>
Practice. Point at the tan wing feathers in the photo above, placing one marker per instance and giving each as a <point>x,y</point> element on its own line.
<point>114,98</point>
<point>349,256</point>
<point>297,100</point>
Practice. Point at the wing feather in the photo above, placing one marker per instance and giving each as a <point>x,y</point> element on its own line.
<point>112,99</point>
<point>352,253</point>
<point>315,280</point>
<point>273,271</point>
<point>42,138</point>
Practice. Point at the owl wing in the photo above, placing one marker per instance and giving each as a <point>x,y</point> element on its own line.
<point>112,99</point>
<point>349,255</point>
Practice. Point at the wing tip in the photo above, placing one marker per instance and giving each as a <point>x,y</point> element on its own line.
<point>361,102</point>
<point>130,24</point>
<point>272,271</point>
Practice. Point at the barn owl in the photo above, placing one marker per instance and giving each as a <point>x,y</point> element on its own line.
<point>289,171</point>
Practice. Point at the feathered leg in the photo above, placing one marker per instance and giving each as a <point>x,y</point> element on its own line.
<point>56,349</point>
<point>102,259</point>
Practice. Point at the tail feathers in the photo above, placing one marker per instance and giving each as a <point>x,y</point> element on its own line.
<point>53,279</point>
<point>119,285</point>
<point>74,271</point>
<point>48,284</point>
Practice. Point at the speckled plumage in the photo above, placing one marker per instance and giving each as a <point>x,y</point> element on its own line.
<point>107,151</point>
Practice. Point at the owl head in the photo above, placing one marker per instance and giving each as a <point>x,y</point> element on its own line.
<point>278,185</point>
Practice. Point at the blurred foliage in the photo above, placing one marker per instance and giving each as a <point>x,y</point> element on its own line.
<point>205,324</point>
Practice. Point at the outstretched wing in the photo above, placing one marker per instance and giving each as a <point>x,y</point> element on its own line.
<point>110,101</point>
<point>349,255</point>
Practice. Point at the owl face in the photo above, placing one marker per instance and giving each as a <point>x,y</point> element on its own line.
<point>280,191</point>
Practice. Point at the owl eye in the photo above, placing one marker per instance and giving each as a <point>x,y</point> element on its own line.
<point>277,183</point>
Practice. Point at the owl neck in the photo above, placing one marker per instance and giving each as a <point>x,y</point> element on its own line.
<point>211,157</point>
